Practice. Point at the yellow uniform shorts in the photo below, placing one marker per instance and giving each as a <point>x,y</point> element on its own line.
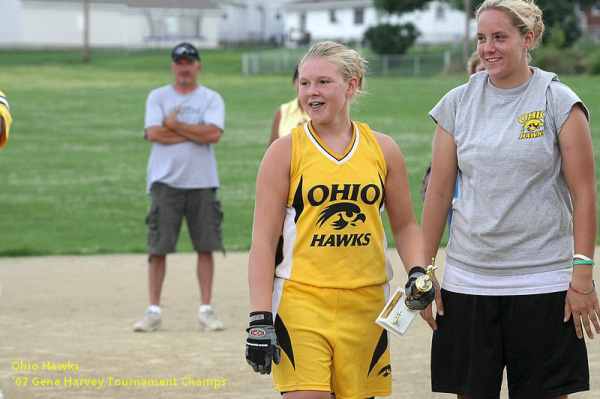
<point>330,341</point>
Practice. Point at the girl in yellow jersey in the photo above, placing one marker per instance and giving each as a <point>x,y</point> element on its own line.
<point>319,198</point>
<point>288,115</point>
<point>5,119</point>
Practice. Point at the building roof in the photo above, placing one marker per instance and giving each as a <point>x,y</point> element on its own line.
<point>191,4</point>
<point>323,4</point>
<point>333,2</point>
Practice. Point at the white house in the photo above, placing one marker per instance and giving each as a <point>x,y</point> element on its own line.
<point>113,23</point>
<point>347,20</point>
<point>251,21</point>
<point>208,23</point>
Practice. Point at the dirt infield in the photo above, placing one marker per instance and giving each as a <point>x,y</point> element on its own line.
<point>66,332</point>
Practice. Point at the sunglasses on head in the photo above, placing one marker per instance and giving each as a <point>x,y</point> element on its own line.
<point>184,50</point>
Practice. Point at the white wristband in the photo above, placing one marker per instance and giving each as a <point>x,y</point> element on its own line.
<point>579,256</point>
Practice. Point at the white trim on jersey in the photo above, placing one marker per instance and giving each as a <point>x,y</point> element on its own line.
<point>323,151</point>
<point>284,269</point>
<point>277,293</point>
<point>4,101</point>
<point>386,291</point>
<point>389,270</point>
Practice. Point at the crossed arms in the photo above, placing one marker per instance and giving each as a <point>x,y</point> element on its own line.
<point>173,131</point>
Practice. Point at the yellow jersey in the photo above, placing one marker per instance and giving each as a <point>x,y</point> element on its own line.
<point>291,116</point>
<point>333,234</point>
<point>4,114</point>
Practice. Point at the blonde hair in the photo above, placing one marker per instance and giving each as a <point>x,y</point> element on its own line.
<point>473,62</point>
<point>525,15</point>
<point>349,63</point>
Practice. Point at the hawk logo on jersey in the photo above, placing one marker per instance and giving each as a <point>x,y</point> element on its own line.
<point>341,210</point>
<point>533,125</point>
<point>347,213</point>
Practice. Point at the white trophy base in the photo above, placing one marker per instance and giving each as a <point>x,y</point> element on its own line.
<point>395,316</point>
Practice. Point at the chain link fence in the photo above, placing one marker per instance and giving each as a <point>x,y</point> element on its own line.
<point>283,62</point>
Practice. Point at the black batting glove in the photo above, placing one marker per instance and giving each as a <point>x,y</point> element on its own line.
<point>413,275</point>
<point>262,346</point>
<point>420,301</point>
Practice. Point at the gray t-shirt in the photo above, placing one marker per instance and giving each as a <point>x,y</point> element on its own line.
<point>186,165</point>
<point>513,214</point>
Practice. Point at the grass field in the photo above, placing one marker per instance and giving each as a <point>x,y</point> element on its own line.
<point>73,174</point>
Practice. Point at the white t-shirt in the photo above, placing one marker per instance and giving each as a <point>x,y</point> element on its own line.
<point>186,165</point>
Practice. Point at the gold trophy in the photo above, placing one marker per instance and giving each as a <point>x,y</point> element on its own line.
<point>403,307</point>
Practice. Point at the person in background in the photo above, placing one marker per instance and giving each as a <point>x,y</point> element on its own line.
<point>5,119</point>
<point>183,121</point>
<point>288,115</point>
<point>475,65</point>
<point>517,290</point>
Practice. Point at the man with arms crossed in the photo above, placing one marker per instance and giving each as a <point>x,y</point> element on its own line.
<point>183,121</point>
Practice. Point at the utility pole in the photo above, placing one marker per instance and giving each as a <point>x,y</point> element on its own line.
<point>263,23</point>
<point>86,31</point>
<point>467,49</point>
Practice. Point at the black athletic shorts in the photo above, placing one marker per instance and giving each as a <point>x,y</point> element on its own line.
<point>480,335</point>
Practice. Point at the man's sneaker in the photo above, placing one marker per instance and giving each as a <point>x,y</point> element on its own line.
<point>150,321</point>
<point>208,321</point>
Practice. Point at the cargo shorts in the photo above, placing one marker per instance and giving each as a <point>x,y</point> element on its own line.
<point>203,215</point>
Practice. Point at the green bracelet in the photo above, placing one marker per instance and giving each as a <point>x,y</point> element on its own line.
<point>583,262</point>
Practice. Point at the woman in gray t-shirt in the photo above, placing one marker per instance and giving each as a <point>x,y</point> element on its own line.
<point>518,272</point>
